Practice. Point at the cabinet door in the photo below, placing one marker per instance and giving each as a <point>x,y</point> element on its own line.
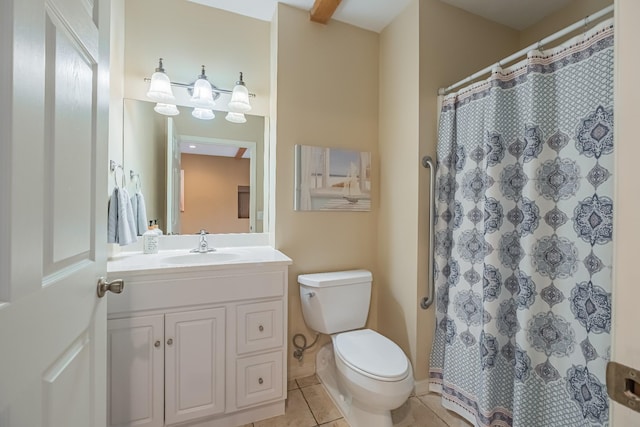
<point>195,361</point>
<point>135,360</point>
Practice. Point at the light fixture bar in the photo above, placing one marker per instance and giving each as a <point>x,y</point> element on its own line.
<point>216,90</point>
<point>203,96</point>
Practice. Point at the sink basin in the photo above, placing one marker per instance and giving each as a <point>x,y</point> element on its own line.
<point>198,258</point>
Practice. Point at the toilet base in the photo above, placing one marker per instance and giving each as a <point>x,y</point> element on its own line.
<point>367,417</point>
<point>355,415</point>
<point>327,373</point>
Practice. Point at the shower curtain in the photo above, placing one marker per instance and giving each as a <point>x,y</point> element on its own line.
<point>523,240</point>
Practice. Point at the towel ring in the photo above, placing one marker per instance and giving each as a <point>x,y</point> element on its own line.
<point>114,169</point>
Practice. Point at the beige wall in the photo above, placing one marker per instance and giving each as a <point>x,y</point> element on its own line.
<point>211,194</point>
<point>327,84</point>
<point>572,12</point>
<point>399,161</point>
<point>430,45</point>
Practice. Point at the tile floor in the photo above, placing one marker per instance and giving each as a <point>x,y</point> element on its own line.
<point>309,405</point>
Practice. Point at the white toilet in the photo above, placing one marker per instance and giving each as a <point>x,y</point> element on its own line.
<point>372,374</point>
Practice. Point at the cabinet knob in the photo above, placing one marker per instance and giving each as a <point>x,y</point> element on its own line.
<point>170,341</point>
<point>156,344</point>
<point>260,381</point>
<point>261,328</point>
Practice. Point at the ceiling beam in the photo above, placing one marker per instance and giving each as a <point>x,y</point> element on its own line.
<point>240,152</point>
<point>322,10</point>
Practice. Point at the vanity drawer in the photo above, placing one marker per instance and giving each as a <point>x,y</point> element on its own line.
<point>259,379</point>
<point>260,326</point>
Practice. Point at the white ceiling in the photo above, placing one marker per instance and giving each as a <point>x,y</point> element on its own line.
<point>374,15</point>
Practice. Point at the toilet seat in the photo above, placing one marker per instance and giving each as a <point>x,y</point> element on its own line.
<point>372,355</point>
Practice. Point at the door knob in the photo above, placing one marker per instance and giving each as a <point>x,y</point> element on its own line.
<point>115,286</point>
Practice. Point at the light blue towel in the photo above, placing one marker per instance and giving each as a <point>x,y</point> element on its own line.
<point>121,227</point>
<point>139,213</point>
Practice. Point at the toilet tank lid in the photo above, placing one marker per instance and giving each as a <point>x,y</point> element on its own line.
<point>335,278</point>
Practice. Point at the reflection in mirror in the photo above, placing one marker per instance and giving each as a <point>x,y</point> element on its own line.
<point>196,174</point>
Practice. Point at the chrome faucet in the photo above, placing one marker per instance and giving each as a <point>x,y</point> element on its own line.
<point>203,244</point>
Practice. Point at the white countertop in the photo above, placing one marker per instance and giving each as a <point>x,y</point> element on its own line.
<point>183,260</point>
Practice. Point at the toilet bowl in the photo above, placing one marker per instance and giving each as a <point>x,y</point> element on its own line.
<point>376,374</point>
<point>366,374</point>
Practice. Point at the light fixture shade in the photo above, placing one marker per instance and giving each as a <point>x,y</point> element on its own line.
<point>239,98</point>
<point>160,88</point>
<point>202,96</point>
<point>236,117</point>
<point>166,109</point>
<point>203,113</point>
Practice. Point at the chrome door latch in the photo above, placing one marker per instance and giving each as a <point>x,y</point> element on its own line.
<point>623,385</point>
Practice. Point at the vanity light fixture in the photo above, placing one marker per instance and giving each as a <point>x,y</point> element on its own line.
<point>203,96</point>
<point>236,117</point>
<point>160,86</point>
<point>166,109</point>
<point>203,113</point>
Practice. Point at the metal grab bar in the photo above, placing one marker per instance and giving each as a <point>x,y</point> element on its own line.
<point>426,301</point>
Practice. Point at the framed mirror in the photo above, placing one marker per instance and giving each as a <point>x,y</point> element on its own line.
<point>196,174</point>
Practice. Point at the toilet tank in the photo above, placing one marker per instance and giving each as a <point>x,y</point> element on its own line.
<point>336,301</point>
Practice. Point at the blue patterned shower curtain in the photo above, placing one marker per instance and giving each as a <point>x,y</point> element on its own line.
<point>523,249</point>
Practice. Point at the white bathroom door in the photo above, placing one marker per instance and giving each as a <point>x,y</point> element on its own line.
<point>53,199</point>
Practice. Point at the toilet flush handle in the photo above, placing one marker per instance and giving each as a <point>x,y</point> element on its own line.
<point>310,294</point>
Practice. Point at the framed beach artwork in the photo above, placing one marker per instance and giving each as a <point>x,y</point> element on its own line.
<point>332,179</point>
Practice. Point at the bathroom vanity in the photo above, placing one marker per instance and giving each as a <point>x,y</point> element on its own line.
<point>197,339</point>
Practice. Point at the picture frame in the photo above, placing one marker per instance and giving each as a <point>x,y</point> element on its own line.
<point>332,179</point>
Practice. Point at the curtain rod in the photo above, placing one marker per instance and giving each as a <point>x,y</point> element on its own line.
<point>553,37</point>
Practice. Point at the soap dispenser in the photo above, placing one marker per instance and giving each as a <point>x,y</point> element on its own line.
<point>150,240</point>
<point>156,229</point>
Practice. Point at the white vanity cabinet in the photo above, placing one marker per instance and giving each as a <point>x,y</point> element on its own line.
<point>174,360</point>
<point>194,366</point>
<point>135,354</point>
<point>198,346</point>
